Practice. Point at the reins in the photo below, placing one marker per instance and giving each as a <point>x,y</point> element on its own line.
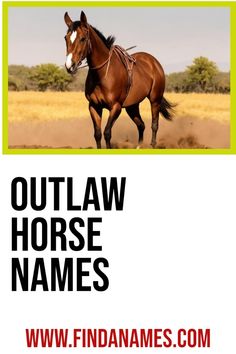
<point>127,60</point>
<point>106,61</point>
<point>117,49</point>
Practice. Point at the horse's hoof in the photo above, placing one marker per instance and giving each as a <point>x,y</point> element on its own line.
<point>153,143</point>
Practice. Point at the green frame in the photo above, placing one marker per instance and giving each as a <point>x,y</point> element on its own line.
<point>231,5</point>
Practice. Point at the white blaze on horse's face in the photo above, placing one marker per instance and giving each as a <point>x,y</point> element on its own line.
<point>73,36</point>
<point>69,61</point>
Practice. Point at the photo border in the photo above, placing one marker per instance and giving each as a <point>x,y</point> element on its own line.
<point>227,151</point>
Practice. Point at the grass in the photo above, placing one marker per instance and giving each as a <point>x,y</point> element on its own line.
<point>39,106</point>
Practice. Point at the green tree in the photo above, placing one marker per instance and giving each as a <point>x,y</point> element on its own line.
<point>221,82</point>
<point>176,82</point>
<point>19,78</point>
<point>201,74</point>
<point>50,77</point>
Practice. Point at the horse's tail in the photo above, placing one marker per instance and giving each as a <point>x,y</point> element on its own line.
<point>167,109</point>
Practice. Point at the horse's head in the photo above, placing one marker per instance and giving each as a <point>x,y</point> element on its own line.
<point>77,42</point>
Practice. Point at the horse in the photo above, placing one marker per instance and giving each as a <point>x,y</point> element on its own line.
<point>115,79</point>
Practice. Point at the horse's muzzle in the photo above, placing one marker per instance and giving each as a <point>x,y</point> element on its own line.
<point>73,68</point>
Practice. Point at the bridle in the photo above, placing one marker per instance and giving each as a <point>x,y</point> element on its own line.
<point>88,46</point>
<point>88,50</point>
<point>119,51</point>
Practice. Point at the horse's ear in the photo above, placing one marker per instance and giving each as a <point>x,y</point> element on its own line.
<point>67,19</point>
<point>83,19</point>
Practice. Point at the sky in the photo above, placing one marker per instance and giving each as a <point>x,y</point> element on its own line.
<point>174,35</point>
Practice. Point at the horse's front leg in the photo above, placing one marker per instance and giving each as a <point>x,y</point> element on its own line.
<point>96,115</point>
<point>114,114</point>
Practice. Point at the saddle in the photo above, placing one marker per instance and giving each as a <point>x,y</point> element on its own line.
<point>127,60</point>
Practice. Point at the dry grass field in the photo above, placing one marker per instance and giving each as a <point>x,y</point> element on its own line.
<point>61,119</point>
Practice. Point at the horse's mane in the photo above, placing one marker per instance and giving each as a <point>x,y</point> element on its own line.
<point>109,41</point>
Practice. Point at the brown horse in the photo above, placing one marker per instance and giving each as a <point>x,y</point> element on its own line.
<point>115,79</point>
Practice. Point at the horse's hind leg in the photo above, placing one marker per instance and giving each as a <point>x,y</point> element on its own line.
<point>96,115</point>
<point>155,109</point>
<point>133,112</point>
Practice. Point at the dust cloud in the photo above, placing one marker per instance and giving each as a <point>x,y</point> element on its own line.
<point>181,133</point>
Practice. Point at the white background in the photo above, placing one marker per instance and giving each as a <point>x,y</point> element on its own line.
<point>171,251</point>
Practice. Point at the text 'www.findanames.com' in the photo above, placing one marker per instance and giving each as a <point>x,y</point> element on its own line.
<point>117,338</point>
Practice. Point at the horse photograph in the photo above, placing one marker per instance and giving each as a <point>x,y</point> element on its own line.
<point>115,79</point>
<point>121,78</point>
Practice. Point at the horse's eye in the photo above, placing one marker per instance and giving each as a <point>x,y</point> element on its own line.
<point>82,39</point>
